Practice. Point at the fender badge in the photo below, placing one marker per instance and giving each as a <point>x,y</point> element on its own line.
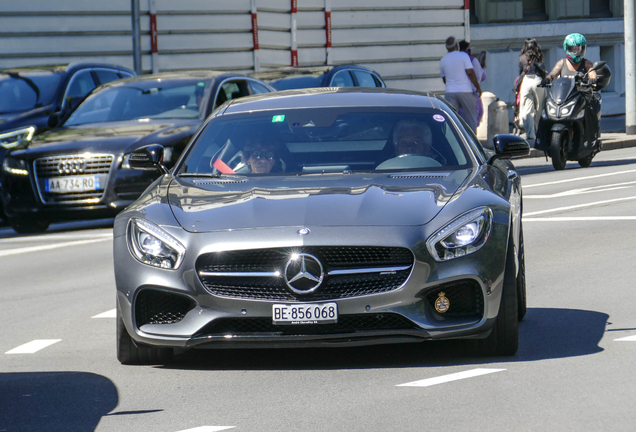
<point>442,304</point>
<point>303,231</point>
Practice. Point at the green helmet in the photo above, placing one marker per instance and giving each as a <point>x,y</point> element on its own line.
<point>575,46</point>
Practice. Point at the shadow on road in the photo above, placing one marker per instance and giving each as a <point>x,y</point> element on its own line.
<point>544,334</point>
<point>54,401</point>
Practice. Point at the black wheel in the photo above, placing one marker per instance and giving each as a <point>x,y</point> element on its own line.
<point>129,353</point>
<point>586,162</point>
<point>29,225</point>
<point>521,280</point>
<point>557,151</point>
<point>504,337</point>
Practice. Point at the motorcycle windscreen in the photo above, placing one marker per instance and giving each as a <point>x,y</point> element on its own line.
<point>561,88</point>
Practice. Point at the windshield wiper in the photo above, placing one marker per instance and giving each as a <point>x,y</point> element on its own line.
<point>211,175</point>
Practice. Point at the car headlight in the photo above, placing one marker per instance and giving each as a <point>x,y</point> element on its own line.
<point>13,138</point>
<point>15,166</point>
<point>463,236</point>
<point>153,246</point>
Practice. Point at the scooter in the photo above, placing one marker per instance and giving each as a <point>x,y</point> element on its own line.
<point>562,132</point>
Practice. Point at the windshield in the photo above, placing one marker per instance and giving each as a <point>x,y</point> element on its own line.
<point>561,88</point>
<point>155,99</point>
<point>327,140</point>
<point>23,91</point>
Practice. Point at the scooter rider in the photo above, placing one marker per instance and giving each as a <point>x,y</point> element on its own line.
<point>575,64</point>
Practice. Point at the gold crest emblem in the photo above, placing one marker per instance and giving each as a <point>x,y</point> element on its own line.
<point>442,304</point>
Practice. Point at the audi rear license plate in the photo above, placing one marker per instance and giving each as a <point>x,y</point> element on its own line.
<point>72,184</point>
<point>311,313</point>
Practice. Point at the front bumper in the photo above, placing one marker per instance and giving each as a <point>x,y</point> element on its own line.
<point>213,321</point>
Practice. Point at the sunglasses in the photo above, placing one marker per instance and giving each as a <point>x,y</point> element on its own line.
<point>262,155</point>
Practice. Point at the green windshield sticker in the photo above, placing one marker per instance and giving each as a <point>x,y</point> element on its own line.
<point>201,84</point>
<point>278,118</point>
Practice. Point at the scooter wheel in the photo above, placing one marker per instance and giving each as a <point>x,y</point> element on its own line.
<point>557,151</point>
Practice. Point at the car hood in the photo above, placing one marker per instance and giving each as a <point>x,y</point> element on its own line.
<point>109,137</point>
<point>203,205</point>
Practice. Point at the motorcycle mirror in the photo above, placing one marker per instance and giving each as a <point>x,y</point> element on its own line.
<point>597,65</point>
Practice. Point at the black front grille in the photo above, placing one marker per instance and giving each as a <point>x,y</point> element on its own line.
<point>345,324</point>
<point>71,166</point>
<point>158,307</point>
<point>333,258</point>
<point>465,297</point>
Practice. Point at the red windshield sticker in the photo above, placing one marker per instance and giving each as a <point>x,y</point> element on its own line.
<point>438,118</point>
<point>222,167</point>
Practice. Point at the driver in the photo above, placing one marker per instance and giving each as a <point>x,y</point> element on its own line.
<point>261,156</point>
<point>412,136</point>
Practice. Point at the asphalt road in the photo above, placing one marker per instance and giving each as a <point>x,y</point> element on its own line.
<point>573,371</point>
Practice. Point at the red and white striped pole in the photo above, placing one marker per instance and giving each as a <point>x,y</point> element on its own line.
<point>255,35</point>
<point>467,20</point>
<point>294,31</point>
<point>154,50</point>
<point>328,30</point>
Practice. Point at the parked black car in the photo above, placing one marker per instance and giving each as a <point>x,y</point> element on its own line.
<point>79,169</point>
<point>321,76</point>
<point>33,98</point>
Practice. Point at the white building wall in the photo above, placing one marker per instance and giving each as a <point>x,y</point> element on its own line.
<point>403,40</point>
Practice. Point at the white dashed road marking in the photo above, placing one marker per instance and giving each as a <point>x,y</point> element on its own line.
<point>30,249</point>
<point>579,206</point>
<point>108,314</point>
<point>583,218</point>
<point>33,346</point>
<point>526,186</point>
<point>448,378</point>
<point>208,429</point>
<point>626,339</point>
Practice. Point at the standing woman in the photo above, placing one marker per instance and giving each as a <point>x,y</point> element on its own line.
<point>531,72</point>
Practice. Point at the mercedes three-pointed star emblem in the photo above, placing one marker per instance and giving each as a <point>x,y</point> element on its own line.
<point>303,273</point>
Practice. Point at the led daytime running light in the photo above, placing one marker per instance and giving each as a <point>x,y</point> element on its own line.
<point>11,139</point>
<point>153,246</point>
<point>463,236</point>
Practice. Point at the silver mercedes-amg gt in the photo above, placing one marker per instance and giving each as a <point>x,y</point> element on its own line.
<point>323,217</point>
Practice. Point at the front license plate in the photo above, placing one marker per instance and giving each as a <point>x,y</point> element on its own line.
<point>312,313</point>
<point>72,184</point>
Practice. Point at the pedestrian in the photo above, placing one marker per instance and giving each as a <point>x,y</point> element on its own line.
<point>480,72</point>
<point>531,96</point>
<point>458,74</point>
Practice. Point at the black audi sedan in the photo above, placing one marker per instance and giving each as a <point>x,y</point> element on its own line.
<point>33,98</point>
<point>79,170</point>
<point>289,78</point>
<point>324,218</point>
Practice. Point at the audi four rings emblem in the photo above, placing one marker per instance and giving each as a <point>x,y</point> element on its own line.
<point>303,273</point>
<point>71,166</point>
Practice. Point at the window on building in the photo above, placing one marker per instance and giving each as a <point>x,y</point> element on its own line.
<point>600,9</point>
<point>534,10</point>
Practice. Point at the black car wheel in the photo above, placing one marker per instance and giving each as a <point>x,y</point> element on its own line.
<point>557,151</point>
<point>521,280</point>
<point>29,225</point>
<point>504,337</point>
<point>129,353</point>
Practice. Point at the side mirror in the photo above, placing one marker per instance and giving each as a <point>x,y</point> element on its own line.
<point>145,158</point>
<point>508,146</point>
<point>597,65</point>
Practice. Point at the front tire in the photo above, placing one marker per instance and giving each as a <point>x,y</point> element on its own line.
<point>521,280</point>
<point>557,151</point>
<point>504,337</point>
<point>586,162</point>
<point>129,353</point>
